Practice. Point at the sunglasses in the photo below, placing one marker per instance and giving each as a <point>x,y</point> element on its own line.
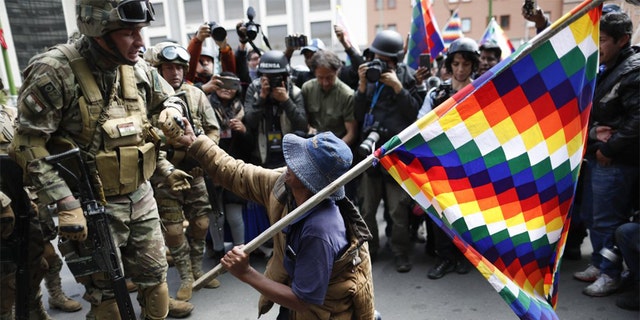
<point>135,11</point>
<point>172,53</point>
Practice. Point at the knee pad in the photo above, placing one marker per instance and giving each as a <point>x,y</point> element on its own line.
<point>53,260</point>
<point>173,234</point>
<point>170,210</point>
<point>199,227</point>
<point>156,301</point>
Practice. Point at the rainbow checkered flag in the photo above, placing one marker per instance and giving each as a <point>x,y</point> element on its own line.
<point>496,34</point>
<point>453,30</point>
<point>497,163</point>
<point>424,36</point>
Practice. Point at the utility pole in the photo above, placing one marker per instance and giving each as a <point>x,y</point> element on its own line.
<point>490,10</point>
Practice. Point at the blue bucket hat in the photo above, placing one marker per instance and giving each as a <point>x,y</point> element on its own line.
<point>317,161</point>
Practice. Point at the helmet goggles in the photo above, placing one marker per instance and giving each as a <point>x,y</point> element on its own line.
<point>173,53</point>
<point>135,11</point>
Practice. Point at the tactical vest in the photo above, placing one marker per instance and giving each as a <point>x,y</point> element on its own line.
<point>7,114</point>
<point>114,132</point>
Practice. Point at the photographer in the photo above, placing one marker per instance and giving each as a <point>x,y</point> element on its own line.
<point>202,58</point>
<point>300,75</point>
<point>386,102</point>
<point>461,62</point>
<point>273,107</point>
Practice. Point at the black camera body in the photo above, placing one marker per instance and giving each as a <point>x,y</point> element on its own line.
<point>218,32</point>
<point>252,27</point>
<point>375,68</point>
<point>275,80</point>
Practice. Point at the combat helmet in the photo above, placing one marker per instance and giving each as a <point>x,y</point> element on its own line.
<point>96,18</point>
<point>273,62</point>
<point>469,50</point>
<point>462,45</point>
<point>167,52</point>
<point>388,43</point>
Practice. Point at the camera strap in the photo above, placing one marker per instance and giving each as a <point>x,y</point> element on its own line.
<point>368,118</point>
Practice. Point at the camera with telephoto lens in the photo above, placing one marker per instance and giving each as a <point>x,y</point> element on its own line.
<point>368,145</point>
<point>275,81</point>
<point>252,27</point>
<point>218,32</point>
<point>375,68</point>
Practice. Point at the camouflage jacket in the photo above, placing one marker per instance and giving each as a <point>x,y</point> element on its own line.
<point>48,108</point>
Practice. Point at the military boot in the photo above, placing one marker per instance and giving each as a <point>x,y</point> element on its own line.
<point>131,287</point>
<point>197,255</point>
<point>179,309</point>
<point>57,298</point>
<point>106,310</point>
<point>183,265</point>
<point>37,312</point>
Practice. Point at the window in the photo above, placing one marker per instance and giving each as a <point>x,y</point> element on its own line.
<point>275,7</point>
<point>393,27</point>
<point>35,25</point>
<point>379,4</point>
<point>159,17</point>
<point>155,40</point>
<point>233,10</point>
<point>193,10</point>
<point>379,27</point>
<point>391,4</point>
<point>319,5</point>
<point>466,24</point>
<point>276,35</point>
<point>504,21</point>
<point>322,30</point>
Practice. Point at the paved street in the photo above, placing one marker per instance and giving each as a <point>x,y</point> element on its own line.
<point>398,296</point>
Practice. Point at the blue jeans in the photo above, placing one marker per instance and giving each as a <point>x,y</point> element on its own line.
<point>607,204</point>
<point>628,241</point>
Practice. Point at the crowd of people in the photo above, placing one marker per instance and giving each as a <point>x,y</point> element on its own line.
<point>185,158</point>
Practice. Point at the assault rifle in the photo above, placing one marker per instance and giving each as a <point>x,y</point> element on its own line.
<point>104,252</point>
<point>15,249</point>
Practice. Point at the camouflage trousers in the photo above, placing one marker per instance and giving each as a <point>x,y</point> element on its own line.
<point>36,270</point>
<point>187,248</point>
<point>135,225</point>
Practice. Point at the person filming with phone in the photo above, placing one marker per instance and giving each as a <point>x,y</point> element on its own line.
<point>273,107</point>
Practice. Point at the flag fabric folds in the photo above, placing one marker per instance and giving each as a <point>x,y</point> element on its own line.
<point>453,30</point>
<point>496,34</point>
<point>425,36</point>
<point>497,163</point>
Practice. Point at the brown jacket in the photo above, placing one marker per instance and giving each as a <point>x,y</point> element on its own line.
<point>350,292</point>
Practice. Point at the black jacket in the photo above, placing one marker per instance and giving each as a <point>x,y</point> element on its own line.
<point>616,103</point>
<point>394,112</point>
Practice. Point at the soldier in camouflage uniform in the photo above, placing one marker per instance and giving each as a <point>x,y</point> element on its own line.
<point>36,266</point>
<point>95,95</point>
<point>174,206</point>
<point>42,246</point>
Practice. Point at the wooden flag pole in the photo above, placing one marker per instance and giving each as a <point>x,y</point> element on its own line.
<point>289,218</point>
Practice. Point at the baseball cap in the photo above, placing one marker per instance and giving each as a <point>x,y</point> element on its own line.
<point>315,45</point>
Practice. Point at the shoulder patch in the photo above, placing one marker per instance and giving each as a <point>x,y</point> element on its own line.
<point>157,85</point>
<point>48,90</point>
